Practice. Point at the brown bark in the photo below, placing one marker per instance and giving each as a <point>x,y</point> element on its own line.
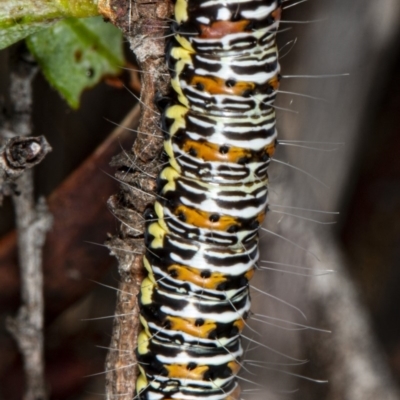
<point>144,24</point>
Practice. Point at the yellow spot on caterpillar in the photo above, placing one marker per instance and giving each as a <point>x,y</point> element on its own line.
<point>147,265</point>
<point>145,325</point>
<point>146,291</point>
<point>160,214</point>
<point>188,325</point>
<point>178,371</point>
<point>172,161</point>
<point>193,275</point>
<point>143,343</point>
<point>183,58</point>
<point>177,88</point>
<point>177,113</point>
<point>170,175</point>
<point>158,208</point>
<point>181,12</point>
<point>184,43</point>
<point>155,230</point>
<point>141,382</point>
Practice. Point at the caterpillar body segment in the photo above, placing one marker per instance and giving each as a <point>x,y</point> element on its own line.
<point>202,236</point>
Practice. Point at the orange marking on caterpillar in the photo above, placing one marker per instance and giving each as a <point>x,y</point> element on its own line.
<point>270,149</point>
<point>212,152</point>
<point>276,15</point>
<point>234,366</point>
<point>220,29</point>
<point>214,85</point>
<point>190,326</point>
<point>239,324</point>
<point>182,371</point>
<point>249,274</point>
<point>274,82</point>
<point>261,217</point>
<point>188,274</point>
<point>203,219</point>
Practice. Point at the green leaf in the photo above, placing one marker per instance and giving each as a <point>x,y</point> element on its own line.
<point>75,54</point>
<point>17,32</point>
<point>21,18</point>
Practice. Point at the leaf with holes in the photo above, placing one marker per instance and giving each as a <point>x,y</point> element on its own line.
<point>76,54</point>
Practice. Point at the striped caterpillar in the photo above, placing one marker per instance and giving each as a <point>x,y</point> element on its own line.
<point>202,236</point>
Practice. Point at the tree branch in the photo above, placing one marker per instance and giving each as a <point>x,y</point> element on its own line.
<point>144,26</point>
<point>18,154</point>
<point>33,221</point>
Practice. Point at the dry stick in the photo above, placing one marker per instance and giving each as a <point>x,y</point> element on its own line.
<point>143,23</point>
<point>16,155</point>
<point>33,221</point>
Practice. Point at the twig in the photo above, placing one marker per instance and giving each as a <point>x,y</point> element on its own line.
<point>143,23</point>
<point>17,155</point>
<point>33,221</point>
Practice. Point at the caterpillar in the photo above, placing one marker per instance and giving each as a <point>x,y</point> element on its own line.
<point>202,235</point>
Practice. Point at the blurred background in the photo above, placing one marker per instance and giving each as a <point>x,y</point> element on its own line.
<point>361,112</point>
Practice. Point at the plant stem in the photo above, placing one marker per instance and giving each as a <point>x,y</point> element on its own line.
<point>144,26</point>
<point>33,221</point>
